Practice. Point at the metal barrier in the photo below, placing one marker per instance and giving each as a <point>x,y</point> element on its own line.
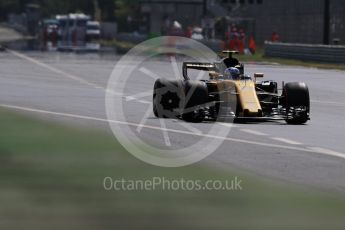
<point>131,38</point>
<point>306,52</point>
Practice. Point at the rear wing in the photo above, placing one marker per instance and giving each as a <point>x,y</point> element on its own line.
<point>196,65</point>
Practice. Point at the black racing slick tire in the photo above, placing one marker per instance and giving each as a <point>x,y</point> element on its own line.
<point>194,101</point>
<point>297,102</point>
<point>166,98</point>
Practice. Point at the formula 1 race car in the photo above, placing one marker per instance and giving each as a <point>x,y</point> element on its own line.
<point>229,93</point>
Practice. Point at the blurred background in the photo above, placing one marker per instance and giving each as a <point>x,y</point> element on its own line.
<point>234,24</point>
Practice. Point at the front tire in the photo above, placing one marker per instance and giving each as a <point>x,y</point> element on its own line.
<point>297,102</point>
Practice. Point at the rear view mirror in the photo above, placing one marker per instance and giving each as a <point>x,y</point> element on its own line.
<point>258,75</point>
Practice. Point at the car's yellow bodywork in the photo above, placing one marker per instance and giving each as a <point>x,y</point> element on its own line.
<point>238,94</point>
<point>250,105</point>
<point>243,93</point>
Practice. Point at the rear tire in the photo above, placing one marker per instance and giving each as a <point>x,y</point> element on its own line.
<point>165,98</point>
<point>297,102</point>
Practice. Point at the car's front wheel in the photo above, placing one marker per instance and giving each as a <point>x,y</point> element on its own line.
<point>296,102</point>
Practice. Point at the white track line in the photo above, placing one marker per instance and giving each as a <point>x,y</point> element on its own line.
<point>254,132</point>
<point>327,151</point>
<point>287,141</point>
<point>55,70</point>
<point>309,149</point>
<point>190,127</point>
<point>76,78</point>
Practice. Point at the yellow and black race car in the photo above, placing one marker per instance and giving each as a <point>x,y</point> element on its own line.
<point>228,93</point>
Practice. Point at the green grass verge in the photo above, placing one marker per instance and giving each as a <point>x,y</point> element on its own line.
<point>51,178</point>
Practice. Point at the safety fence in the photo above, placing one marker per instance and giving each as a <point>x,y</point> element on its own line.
<point>306,52</point>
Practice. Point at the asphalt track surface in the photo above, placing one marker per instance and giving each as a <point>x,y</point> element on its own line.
<point>70,88</point>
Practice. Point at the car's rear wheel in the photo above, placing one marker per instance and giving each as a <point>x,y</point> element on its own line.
<point>166,98</point>
<point>297,102</point>
<point>195,100</point>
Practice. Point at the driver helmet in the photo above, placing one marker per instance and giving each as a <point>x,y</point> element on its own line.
<point>232,73</point>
